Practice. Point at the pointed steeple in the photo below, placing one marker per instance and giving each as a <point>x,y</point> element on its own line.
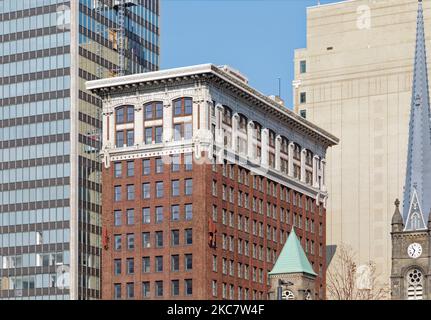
<point>292,258</point>
<point>417,189</point>
<point>397,219</point>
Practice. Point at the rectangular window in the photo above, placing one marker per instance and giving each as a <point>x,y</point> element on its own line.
<point>188,208</point>
<point>188,233</point>
<point>159,239</point>
<point>178,132</point>
<point>146,265</point>
<point>148,135</point>
<point>146,240</point>
<point>302,66</point>
<point>117,193</point>
<point>117,291</point>
<point>146,289</point>
<point>175,212</point>
<point>130,138</point>
<point>159,134</point>
<point>188,131</point>
<point>159,214</point>
<point>146,169</point>
<point>175,188</point>
<point>175,238</point>
<point>130,168</point>
<point>159,189</point>
<point>175,163</point>
<point>146,191</point>
<point>117,242</point>
<point>131,241</point>
<point>188,287</point>
<point>188,190</point>
<point>130,192</point>
<point>130,216</point>
<point>303,97</point>
<point>130,266</point>
<point>159,165</point>
<point>159,264</point>
<point>175,288</point>
<point>117,218</point>
<point>159,110</point>
<point>130,290</point>
<point>159,288</point>
<point>188,262</point>
<point>175,263</point>
<point>119,139</point>
<point>146,216</point>
<point>117,169</point>
<point>117,267</point>
<point>188,162</point>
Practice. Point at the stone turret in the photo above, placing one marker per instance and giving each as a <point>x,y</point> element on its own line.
<point>397,219</point>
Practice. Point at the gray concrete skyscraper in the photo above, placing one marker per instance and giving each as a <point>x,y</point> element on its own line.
<point>50,231</point>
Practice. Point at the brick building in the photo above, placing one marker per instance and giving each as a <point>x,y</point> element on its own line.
<point>203,179</point>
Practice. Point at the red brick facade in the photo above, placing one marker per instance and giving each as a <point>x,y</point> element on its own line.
<point>310,221</point>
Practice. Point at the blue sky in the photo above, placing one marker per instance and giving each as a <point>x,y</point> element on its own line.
<point>257,37</point>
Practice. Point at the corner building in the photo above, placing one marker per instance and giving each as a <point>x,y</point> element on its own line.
<point>50,192</point>
<point>203,179</point>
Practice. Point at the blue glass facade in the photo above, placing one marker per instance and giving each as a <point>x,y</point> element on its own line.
<point>37,138</point>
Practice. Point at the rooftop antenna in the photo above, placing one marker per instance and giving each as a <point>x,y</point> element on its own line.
<point>279,87</point>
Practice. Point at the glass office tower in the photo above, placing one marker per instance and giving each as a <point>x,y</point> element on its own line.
<point>50,231</point>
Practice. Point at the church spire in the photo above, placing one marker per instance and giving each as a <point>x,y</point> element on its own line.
<point>417,189</point>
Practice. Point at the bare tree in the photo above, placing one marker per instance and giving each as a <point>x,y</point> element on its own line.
<point>346,281</point>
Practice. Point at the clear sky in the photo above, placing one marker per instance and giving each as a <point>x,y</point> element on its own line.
<point>256,37</point>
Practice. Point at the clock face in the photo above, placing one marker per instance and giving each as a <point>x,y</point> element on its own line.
<point>414,250</point>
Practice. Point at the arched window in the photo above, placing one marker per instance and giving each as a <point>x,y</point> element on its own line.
<point>284,148</point>
<point>287,295</point>
<point>416,221</point>
<point>124,114</point>
<point>153,110</point>
<point>414,285</point>
<point>183,107</point>
<point>227,115</point>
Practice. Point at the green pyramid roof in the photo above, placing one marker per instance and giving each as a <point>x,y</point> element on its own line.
<point>292,258</point>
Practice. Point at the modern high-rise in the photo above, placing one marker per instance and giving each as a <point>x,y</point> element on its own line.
<point>204,178</point>
<point>50,190</point>
<point>355,79</point>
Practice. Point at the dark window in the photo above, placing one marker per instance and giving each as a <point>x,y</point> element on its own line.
<point>303,97</point>
<point>153,110</point>
<point>159,288</point>
<point>175,287</point>
<point>117,267</point>
<point>159,264</point>
<point>188,233</point>
<point>188,262</point>
<point>303,113</point>
<point>188,287</point>
<point>130,266</point>
<point>175,238</point>
<point>119,115</point>
<point>117,291</point>
<point>183,106</point>
<point>159,239</point>
<point>303,66</point>
<point>175,263</point>
<point>125,114</point>
<point>130,290</point>
<point>117,193</point>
